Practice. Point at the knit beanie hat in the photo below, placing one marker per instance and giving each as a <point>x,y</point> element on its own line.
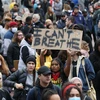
<point>31,58</point>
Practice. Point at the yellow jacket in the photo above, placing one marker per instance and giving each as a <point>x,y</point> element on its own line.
<point>47,63</point>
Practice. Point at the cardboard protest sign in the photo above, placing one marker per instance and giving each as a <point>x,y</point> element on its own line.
<point>57,39</point>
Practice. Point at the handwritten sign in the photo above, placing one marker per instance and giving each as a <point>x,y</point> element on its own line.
<point>57,39</point>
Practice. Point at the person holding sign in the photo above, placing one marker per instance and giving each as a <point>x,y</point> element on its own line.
<point>82,68</point>
<point>44,58</point>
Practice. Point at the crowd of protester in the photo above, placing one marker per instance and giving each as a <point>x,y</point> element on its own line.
<point>42,74</point>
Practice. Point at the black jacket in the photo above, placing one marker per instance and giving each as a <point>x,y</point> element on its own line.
<point>95,57</point>
<point>4,95</point>
<point>39,25</point>
<point>98,86</point>
<point>13,54</point>
<point>19,76</point>
<point>36,92</point>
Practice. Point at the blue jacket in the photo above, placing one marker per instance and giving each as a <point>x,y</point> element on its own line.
<point>89,71</point>
<point>79,19</point>
<point>83,65</point>
<point>89,22</point>
<point>7,40</point>
<point>61,24</point>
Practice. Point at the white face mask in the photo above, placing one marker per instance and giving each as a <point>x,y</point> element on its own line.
<point>14,29</point>
<point>74,98</point>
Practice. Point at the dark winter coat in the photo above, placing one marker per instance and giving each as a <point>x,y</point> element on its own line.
<point>13,54</point>
<point>36,92</point>
<point>17,77</point>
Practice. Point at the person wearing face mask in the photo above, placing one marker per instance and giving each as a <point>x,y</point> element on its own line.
<point>8,37</point>
<point>71,92</point>
<point>40,11</point>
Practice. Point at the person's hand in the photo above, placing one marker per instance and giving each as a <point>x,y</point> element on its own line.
<point>13,69</point>
<point>19,86</point>
<point>43,51</point>
<point>69,52</point>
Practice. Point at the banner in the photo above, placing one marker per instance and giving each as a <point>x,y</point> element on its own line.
<point>57,39</point>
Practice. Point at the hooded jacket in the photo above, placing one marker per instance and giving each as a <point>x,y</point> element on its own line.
<point>25,51</point>
<point>36,92</point>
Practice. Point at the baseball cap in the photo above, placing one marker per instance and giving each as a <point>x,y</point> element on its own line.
<point>18,18</point>
<point>13,24</point>
<point>44,70</point>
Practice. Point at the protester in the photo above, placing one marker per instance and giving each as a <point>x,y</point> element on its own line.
<point>85,49</point>
<point>79,84</point>
<point>56,69</point>
<point>23,80</point>
<point>70,22</point>
<point>97,85</point>
<point>36,21</point>
<point>60,69</point>
<point>71,92</point>
<point>49,94</point>
<point>8,37</point>
<point>82,68</point>
<point>25,51</point>
<point>28,27</point>
<point>50,15</point>
<point>57,8</point>
<point>62,22</point>
<point>44,5</point>
<point>95,59</point>
<point>18,19</point>
<point>43,58</point>
<point>40,11</point>
<point>79,19</point>
<point>13,51</point>
<point>15,11</point>
<point>4,68</point>
<point>65,58</point>
<point>49,24</point>
<point>43,82</point>
<point>7,20</point>
<point>4,94</point>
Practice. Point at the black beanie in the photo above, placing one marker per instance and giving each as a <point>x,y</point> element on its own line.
<point>31,58</point>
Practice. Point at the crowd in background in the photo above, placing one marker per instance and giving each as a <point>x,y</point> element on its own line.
<point>42,74</point>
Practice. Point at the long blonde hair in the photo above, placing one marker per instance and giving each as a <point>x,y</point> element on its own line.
<point>4,68</point>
